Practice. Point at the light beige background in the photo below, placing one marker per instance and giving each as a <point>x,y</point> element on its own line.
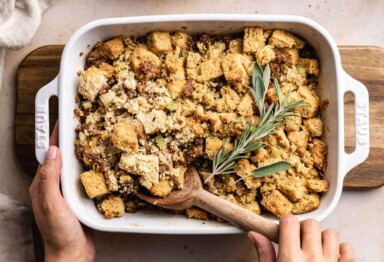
<point>359,215</point>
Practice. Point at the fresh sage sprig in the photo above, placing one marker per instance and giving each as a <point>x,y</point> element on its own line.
<point>251,138</point>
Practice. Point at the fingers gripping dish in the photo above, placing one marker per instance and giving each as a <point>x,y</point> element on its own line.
<point>151,106</point>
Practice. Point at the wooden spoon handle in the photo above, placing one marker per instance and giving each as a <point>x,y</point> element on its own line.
<point>236,215</point>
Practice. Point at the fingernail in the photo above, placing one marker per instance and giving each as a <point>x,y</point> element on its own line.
<point>51,154</point>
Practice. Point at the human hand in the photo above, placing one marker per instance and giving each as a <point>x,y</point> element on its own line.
<point>65,239</point>
<point>302,241</point>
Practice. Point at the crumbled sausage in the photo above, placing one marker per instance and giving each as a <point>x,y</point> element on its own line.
<point>97,55</point>
<point>283,58</point>
<point>275,69</point>
<point>196,150</point>
<point>188,88</point>
<point>149,70</point>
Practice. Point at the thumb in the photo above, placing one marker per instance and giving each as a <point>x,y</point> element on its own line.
<point>263,246</point>
<point>47,179</point>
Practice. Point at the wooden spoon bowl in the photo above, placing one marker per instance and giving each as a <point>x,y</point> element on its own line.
<point>193,194</point>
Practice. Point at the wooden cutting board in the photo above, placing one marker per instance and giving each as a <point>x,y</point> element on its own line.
<point>365,63</point>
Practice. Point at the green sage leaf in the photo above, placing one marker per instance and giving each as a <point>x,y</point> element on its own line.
<point>271,169</point>
<point>278,91</point>
<point>266,77</point>
<point>257,82</point>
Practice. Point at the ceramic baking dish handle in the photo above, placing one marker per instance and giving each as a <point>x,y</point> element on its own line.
<point>361,123</point>
<point>42,118</point>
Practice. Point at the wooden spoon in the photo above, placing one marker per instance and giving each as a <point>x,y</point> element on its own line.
<point>193,194</point>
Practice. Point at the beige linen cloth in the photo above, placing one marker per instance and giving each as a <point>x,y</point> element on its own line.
<point>16,240</point>
<point>19,21</point>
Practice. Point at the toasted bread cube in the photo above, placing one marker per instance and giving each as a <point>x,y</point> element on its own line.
<point>209,100</point>
<point>265,55</point>
<point>177,175</point>
<point>228,184</point>
<point>145,166</point>
<point>161,189</point>
<point>215,51</point>
<point>181,40</point>
<point>311,65</point>
<point>94,184</point>
<point>277,152</point>
<point>300,139</point>
<point>246,105</point>
<point>267,188</point>
<point>247,196</point>
<point>154,121</point>
<point>281,39</point>
<point>244,169</point>
<point>311,101</point>
<point>307,160</point>
<point>202,71</point>
<point>108,98</point>
<point>213,145</point>
<point>229,101</point>
<point>112,206</point>
<point>201,114</point>
<point>253,39</point>
<point>299,44</point>
<point>235,68</point>
<point>107,68</point>
<point>210,70</point>
<point>271,96</point>
<point>124,137</point>
<point>92,80</point>
<point>138,127</point>
<point>292,123</point>
<point>306,204</point>
<point>176,88</point>
<point>260,155</point>
<point>236,46</point>
<point>313,174</point>
<point>141,56</point>
<point>115,47</point>
<point>159,42</point>
<point>277,203</point>
<point>270,141</point>
<point>175,65</point>
<point>215,121</point>
<point>197,213</point>
<point>298,165</point>
<point>293,188</point>
<point>318,152</point>
<point>317,185</point>
<point>281,137</point>
<point>188,107</point>
<point>138,104</point>
<point>293,55</point>
<point>314,126</point>
<point>111,181</point>
<point>193,60</point>
<point>197,127</point>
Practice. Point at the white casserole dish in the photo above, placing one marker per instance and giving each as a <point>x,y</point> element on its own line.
<point>334,82</point>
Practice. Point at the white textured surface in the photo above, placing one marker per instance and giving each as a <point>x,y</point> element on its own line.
<point>358,215</point>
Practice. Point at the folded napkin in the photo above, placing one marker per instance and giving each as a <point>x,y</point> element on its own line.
<point>19,21</point>
<point>16,239</point>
